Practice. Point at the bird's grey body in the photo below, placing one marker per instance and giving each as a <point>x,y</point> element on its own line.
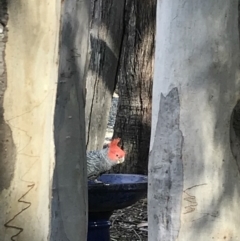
<point>98,163</point>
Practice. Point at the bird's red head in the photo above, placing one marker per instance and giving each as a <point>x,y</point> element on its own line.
<point>115,153</point>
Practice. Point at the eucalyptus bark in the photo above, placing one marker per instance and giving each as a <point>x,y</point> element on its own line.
<point>29,166</point>
<point>105,36</point>
<point>122,47</point>
<point>28,73</point>
<point>70,201</point>
<point>194,181</point>
<point>134,84</point>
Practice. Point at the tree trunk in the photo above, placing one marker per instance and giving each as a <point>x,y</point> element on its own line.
<point>106,34</point>
<point>69,203</point>
<point>194,181</point>
<point>28,90</point>
<point>29,49</point>
<point>134,84</point>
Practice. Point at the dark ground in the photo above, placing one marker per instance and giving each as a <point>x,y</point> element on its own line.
<point>130,224</point>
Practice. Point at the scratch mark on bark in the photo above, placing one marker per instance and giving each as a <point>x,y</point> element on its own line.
<point>191,199</point>
<point>31,184</point>
<point>31,110</point>
<point>19,229</point>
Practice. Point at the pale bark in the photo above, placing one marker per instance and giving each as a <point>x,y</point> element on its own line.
<point>29,80</point>
<point>31,59</point>
<point>194,181</point>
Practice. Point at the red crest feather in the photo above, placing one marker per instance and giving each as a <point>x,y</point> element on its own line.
<point>114,142</point>
<point>115,152</point>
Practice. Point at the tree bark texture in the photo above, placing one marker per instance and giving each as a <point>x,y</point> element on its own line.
<point>106,39</point>
<point>194,181</point>
<point>122,47</point>
<point>134,84</point>
<point>70,203</point>
<point>29,43</point>
<point>30,164</point>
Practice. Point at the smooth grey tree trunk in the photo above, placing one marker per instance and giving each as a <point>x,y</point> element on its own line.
<point>70,203</point>
<point>194,181</point>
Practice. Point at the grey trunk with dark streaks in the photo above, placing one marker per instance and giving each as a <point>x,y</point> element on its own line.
<point>105,43</point>
<point>134,84</point>
<point>166,172</point>
<point>69,203</point>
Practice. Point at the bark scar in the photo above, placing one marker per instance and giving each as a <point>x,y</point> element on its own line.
<point>166,170</point>
<point>235,134</point>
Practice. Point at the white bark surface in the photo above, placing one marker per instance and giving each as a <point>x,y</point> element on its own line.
<point>197,52</point>
<point>29,101</point>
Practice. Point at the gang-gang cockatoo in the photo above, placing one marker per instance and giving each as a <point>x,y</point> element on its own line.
<point>101,161</point>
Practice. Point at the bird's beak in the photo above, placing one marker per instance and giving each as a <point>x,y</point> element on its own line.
<point>121,160</point>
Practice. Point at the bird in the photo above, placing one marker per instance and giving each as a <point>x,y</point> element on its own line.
<point>100,161</point>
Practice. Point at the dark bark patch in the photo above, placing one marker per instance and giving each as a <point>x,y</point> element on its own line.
<point>235,133</point>
<point>7,147</point>
<point>166,170</point>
